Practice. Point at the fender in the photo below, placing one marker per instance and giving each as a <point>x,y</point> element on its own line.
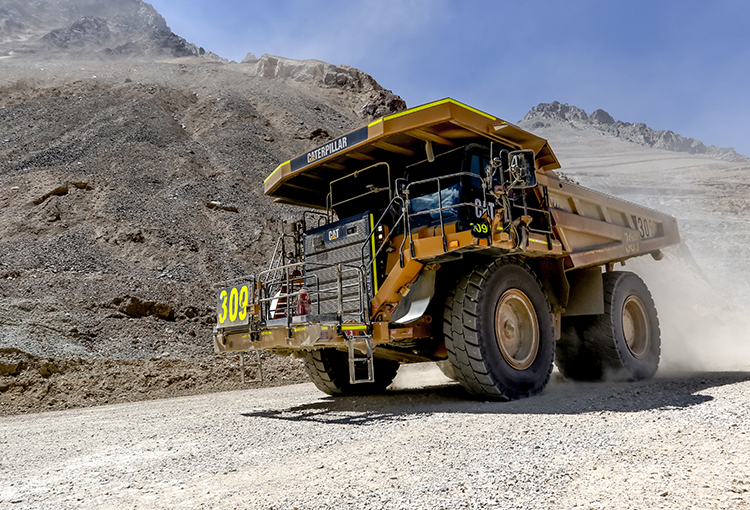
<point>415,302</point>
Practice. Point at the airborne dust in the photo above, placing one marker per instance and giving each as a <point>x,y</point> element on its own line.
<point>703,328</point>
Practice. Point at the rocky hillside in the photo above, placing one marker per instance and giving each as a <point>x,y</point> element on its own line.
<point>544,114</point>
<point>127,189</point>
<point>88,29</point>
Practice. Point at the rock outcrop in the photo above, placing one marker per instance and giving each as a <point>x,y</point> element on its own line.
<point>378,100</point>
<point>545,114</point>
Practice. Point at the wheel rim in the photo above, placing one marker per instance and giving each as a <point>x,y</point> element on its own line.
<point>516,329</point>
<point>635,327</point>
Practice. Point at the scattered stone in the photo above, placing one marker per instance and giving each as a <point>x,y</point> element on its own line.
<point>218,205</point>
<point>134,307</point>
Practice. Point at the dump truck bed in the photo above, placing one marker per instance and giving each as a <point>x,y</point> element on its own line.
<point>595,228</point>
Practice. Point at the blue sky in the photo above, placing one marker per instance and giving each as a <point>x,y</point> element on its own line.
<point>679,65</point>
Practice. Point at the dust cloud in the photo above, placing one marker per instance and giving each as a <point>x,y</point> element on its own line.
<point>703,328</point>
<point>703,298</point>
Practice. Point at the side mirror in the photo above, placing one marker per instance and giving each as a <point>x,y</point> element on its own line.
<point>522,169</point>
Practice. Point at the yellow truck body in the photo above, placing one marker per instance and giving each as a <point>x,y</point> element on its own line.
<point>443,233</point>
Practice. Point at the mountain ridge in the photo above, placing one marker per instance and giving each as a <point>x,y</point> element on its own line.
<point>542,115</point>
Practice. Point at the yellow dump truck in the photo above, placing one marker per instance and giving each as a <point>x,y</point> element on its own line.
<point>442,233</point>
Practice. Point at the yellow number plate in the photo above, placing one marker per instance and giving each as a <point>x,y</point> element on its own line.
<point>231,307</point>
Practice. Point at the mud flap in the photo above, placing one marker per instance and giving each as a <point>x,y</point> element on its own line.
<point>415,303</point>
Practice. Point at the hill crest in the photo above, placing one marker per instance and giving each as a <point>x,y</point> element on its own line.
<point>546,114</point>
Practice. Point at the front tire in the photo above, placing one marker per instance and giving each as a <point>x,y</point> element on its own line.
<point>329,371</point>
<point>499,331</point>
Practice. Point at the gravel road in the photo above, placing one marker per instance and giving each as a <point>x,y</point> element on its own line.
<point>679,441</point>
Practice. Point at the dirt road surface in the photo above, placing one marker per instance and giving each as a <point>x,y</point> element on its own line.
<point>679,441</point>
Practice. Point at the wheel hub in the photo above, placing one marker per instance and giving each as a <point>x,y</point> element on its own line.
<point>516,329</point>
<point>635,327</point>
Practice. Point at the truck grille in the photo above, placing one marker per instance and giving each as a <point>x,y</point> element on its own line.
<point>338,243</point>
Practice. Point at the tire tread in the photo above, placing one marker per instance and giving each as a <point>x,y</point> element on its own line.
<point>462,335</point>
<point>599,336</point>
<point>329,371</point>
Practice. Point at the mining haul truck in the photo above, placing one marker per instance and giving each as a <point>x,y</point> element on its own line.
<point>442,233</point>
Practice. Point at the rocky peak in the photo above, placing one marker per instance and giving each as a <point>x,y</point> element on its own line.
<point>85,29</point>
<point>546,114</point>
<point>601,117</point>
<point>558,111</point>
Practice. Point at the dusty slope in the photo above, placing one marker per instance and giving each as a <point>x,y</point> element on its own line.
<point>126,189</point>
<point>709,197</point>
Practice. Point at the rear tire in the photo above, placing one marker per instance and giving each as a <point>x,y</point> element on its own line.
<point>329,371</point>
<point>574,358</point>
<point>626,336</point>
<point>499,331</point>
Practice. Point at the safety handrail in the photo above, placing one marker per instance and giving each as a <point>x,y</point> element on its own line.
<point>404,216</point>
<point>367,267</point>
<point>293,288</point>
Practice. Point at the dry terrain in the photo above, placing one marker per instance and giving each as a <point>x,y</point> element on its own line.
<point>678,441</point>
<point>144,186</point>
<point>31,384</point>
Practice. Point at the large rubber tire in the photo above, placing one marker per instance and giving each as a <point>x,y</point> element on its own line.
<point>574,358</point>
<point>329,371</point>
<point>499,331</point>
<point>626,336</point>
